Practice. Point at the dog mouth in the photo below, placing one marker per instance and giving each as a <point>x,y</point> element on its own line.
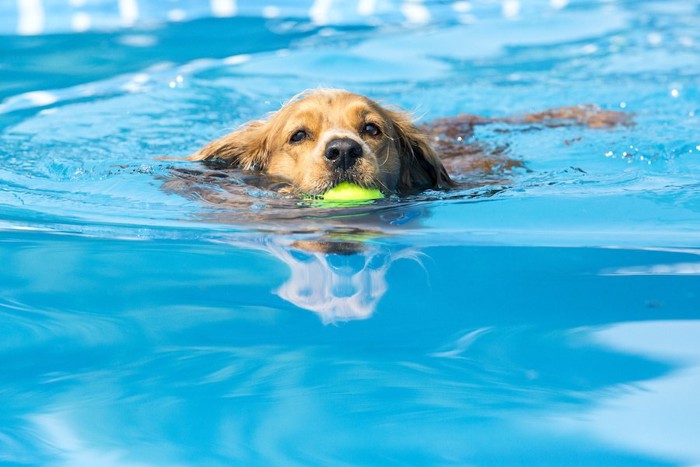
<point>354,177</point>
<point>340,178</point>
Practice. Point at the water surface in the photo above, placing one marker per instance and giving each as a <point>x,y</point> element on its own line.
<point>549,318</point>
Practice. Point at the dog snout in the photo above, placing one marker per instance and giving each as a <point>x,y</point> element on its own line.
<point>343,152</point>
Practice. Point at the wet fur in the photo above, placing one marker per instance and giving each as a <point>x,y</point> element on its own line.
<point>403,160</point>
<point>399,160</point>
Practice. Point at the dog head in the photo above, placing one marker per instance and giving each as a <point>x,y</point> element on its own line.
<point>324,137</point>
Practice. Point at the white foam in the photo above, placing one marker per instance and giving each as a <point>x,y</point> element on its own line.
<point>415,12</point>
<point>677,269</point>
<point>686,41</point>
<point>40,98</point>
<point>30,17</point>
<point>511,9</point>
<point>271,11</point>
<point>81,21</point>
<point>319,12</point>
<point>589,49</point>
<point>461,7</point>
<point>138,40</point>
<point>654,39</point>
<point>366,7</point>
<point>177,15</point>
<point>559,4</point>
<point>224,8</point>
<point>236,59</point>
<point>128,12</point>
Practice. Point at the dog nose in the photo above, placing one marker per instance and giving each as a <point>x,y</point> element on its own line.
<point>343,152</point>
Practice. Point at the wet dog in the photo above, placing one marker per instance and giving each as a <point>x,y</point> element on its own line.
<point>321,138</point>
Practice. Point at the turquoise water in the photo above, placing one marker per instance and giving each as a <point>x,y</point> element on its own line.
<point>550,318</point>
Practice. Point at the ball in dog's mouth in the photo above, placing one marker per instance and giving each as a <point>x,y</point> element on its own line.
<point>347,191</point>
<point>346,194</point>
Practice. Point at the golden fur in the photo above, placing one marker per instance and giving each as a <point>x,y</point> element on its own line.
<point>293,145</point>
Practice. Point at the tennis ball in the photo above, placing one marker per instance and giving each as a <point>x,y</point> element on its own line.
<point>345,195</point>
<point>350,192</point>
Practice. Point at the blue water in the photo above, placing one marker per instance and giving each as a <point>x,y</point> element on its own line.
<point>551,317</point>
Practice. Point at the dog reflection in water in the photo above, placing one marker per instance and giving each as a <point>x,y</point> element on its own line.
<point>340,278</point>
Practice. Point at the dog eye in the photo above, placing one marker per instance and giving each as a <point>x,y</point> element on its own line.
<point>371,129</point>
<point>298,136</point>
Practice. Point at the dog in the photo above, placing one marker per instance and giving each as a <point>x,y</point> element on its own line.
<point>324,137</point>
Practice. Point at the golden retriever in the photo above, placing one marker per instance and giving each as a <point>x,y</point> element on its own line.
<point>321,138</point>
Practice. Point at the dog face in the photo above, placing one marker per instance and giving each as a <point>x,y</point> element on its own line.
<point>322,138</point>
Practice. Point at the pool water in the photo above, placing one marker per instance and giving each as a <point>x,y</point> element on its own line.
<point>549,317</point>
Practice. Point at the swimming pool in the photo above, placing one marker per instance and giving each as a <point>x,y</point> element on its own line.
<point>551,318</point>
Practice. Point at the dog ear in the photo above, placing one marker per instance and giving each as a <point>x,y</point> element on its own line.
<point>421,168</point>
<point>246,147</point>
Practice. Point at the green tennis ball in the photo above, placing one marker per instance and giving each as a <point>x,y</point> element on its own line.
<point>345,195</point>
<point>347,191</point>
